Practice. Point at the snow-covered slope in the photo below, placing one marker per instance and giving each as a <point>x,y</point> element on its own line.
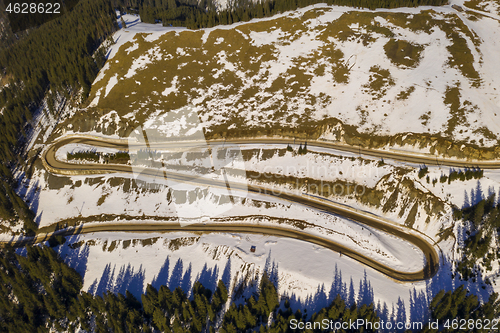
<point>420,70</point>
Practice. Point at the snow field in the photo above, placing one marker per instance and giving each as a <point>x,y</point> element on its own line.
<point>73,200</point>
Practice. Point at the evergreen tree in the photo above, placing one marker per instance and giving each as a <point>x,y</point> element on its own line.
<point>58,58</point>
<point>40,293</point>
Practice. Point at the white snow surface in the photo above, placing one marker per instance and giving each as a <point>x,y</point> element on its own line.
<point>68,202</point>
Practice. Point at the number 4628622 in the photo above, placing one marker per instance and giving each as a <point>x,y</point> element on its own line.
<point>33,8</point>
<point>463,324</point>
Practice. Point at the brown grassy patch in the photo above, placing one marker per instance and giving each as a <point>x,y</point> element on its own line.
<point>404,94</point>
<point>379,82</point>
<point>102,198</point>
<point>482,5</point>
<point>403,53</point>
<point>343,30</point>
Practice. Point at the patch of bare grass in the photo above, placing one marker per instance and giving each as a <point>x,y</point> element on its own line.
<point>379,82</point>
<point>404,94</point>
<point>491,6</point>
<point>403,53</point>
<point>355,26</point>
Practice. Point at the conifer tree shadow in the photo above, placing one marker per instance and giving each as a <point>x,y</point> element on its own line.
<point>441,280</point>
<point>479,192</point>
<point>365,292</point>
<point>128,280</point>
<point>175,278</point>
<point>244,288</point>
<point>476,195</point>
<point>132,23</point>
<point>123,279</point>
<point>185,282</point>
<point>22,251</point>
<point>161,278</point>
<point>400,312</point>
<point>445,280</point>
<point>38,217</point>
<point>271,268</point>
<point>491,191</point>
<point>75,257</point>
<point>208,277</point>
<point>351,298</point>
<point>105,283</point>
<point>466,200</point>
<point>419,305</point>
<point>321,298</point>
<point>383,312</point>
<point>338,287</point>
<point>93,287</point>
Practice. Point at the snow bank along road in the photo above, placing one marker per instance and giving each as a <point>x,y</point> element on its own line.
<point>54,165</point>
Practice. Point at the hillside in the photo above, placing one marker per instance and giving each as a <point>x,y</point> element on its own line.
<point>375,78</point>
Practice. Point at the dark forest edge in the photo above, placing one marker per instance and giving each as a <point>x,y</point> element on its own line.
<point>480,224</point>
<point>195,14</point>
<point>39,292</point>
<point>21,21</point>
<point>59,60</point>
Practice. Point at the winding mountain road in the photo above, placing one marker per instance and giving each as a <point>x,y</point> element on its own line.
<point>403,156</point>
<point>431,265</point>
